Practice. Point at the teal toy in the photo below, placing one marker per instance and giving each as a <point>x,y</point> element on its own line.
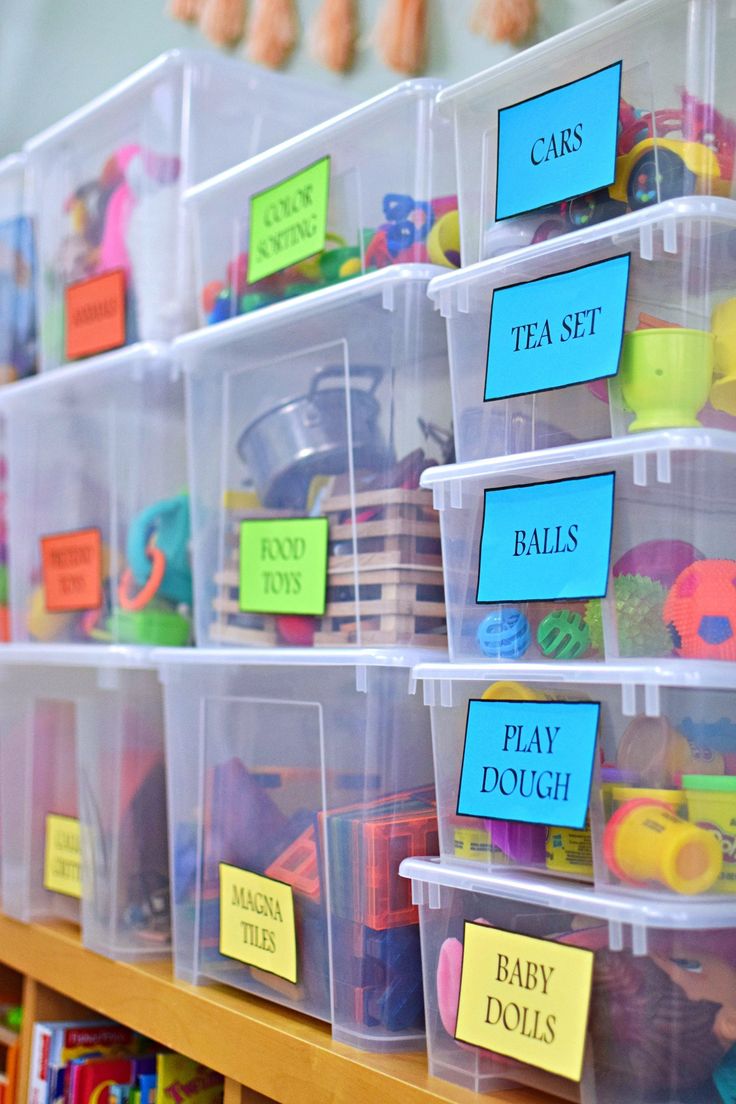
<point>162,532</point>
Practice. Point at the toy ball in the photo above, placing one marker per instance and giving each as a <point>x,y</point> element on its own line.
<point>639,603</point>
<point>700,610</point>
<point>504,634</point>
<point>662,560</point>
<point>563,635</point>
<point>296,630</point>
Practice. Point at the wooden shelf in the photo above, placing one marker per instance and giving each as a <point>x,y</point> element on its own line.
<point>272,1051</point>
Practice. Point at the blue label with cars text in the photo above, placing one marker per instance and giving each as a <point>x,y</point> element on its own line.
<point>559,144</point>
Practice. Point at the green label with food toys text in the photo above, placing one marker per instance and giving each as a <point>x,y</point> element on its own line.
<point>283,565</point>
<point>288,222</point>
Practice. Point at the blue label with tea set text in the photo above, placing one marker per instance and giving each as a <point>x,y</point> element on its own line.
<point>528,761</point>
<point>559,144</point>
<point>547,541</point>
<point>558,330</point>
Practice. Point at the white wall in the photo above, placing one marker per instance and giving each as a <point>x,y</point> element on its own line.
<point>57,54</point>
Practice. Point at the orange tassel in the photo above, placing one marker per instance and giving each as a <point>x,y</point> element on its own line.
<point>332,35</point>
<point>401,34</point>
<point>223,21</point>
<point>273,32</point>
<point>504,20</point>
<point>186,11</point>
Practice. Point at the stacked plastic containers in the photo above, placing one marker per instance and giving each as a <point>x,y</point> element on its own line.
<point>584,731</point>
<point>98,508</point>
<point>317,391</point>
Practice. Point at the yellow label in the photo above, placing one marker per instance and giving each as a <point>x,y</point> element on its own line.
<point>525,998</point>
<point>472,843</point>
<point>62,856</point>
<point>257,921</point>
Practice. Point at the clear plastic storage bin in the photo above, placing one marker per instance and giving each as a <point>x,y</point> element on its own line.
<point>313,421</point>
<point>633,1004</point>
<point>623,773</point>
<point>632,108</point>
<point>114,256</point>
<point>98,510</point>
<point>372,187</point>
<point>626,327</point>
<point>83,826</point>
<point>297,783</point>
<point>600,550</point>
<point>17,273</point>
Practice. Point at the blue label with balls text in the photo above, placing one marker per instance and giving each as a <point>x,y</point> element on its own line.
<point>557,331</point>
<point>559,144</point>
<point>529,761</point>
<point>547,541</point>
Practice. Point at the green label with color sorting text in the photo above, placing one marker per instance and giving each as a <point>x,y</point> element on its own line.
<point>283,565</point>
<point>288,222</point>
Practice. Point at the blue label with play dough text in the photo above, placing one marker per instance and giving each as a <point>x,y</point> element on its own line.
<point>547,541</point>
<point>528,761</point>
<point>559,144</point>
<point>557,331</point>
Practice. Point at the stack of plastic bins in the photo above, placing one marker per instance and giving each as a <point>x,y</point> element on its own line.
<point>627,110</point>
<point>370,188</point>
<point>97,503</point>
<point>619,773</point>
<point>114,256</point>
<point>623,327</point>
<point>578,992</point>
<point>309,424</point>
<point>298,780</point>
<point>83,825</point>
<point>17,269</point>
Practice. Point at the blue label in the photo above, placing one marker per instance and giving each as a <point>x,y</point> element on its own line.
<point>528,761</point>
<point>558,145</point>
<point>546,541</point>
<point>557,331</point>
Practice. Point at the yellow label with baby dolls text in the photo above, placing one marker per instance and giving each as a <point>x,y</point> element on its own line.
<point>525,998</point>
<point>62,856</point>
<point>257,921</point>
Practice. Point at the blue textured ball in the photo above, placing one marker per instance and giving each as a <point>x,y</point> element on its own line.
<point>504,634</point>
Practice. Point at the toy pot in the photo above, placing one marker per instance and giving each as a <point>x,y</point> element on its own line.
<point>723,392</point>
<point>666,376</point>
<point>644,841</point>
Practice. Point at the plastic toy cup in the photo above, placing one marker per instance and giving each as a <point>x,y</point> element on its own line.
<point>711,804</point>
<point>443,242</point>
<point>570,851</point>
<point>645,841</point>
<point>611,778</point>
<point>666,376</point>
<point>521,843</point>
<point>673,799</point>
<point>506,690</point>
<point>723,391</point>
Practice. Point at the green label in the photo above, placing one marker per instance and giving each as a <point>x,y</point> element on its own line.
<point>288,222</point>
<point>283,565</point>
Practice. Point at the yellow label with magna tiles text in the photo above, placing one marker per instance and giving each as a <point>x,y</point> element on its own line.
<point>62,856</point>
<point>257,921</point>
<point>525,998</point>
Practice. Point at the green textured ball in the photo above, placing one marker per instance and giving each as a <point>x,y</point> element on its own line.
<point>639,604</point>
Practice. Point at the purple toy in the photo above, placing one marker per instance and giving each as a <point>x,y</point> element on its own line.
<point>522,843</point>
<point>661,560</point>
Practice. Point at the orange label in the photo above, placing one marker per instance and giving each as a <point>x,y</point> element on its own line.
<point>95,315</point>
<point>72,570</point>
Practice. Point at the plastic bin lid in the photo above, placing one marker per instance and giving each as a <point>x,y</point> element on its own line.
<point>602,451</point>
<point>686,673</point>
<point>289,657</point>
<point>77,373</point>
<point>323,134</point>
<point>287,311</point>
<point>703,208</point>
<point>75,655</point>
<point>13,163</point>
<point>637,910</point>
<point>624,17</point>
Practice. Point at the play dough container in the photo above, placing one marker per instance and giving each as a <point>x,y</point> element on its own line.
<point>711,804</point>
